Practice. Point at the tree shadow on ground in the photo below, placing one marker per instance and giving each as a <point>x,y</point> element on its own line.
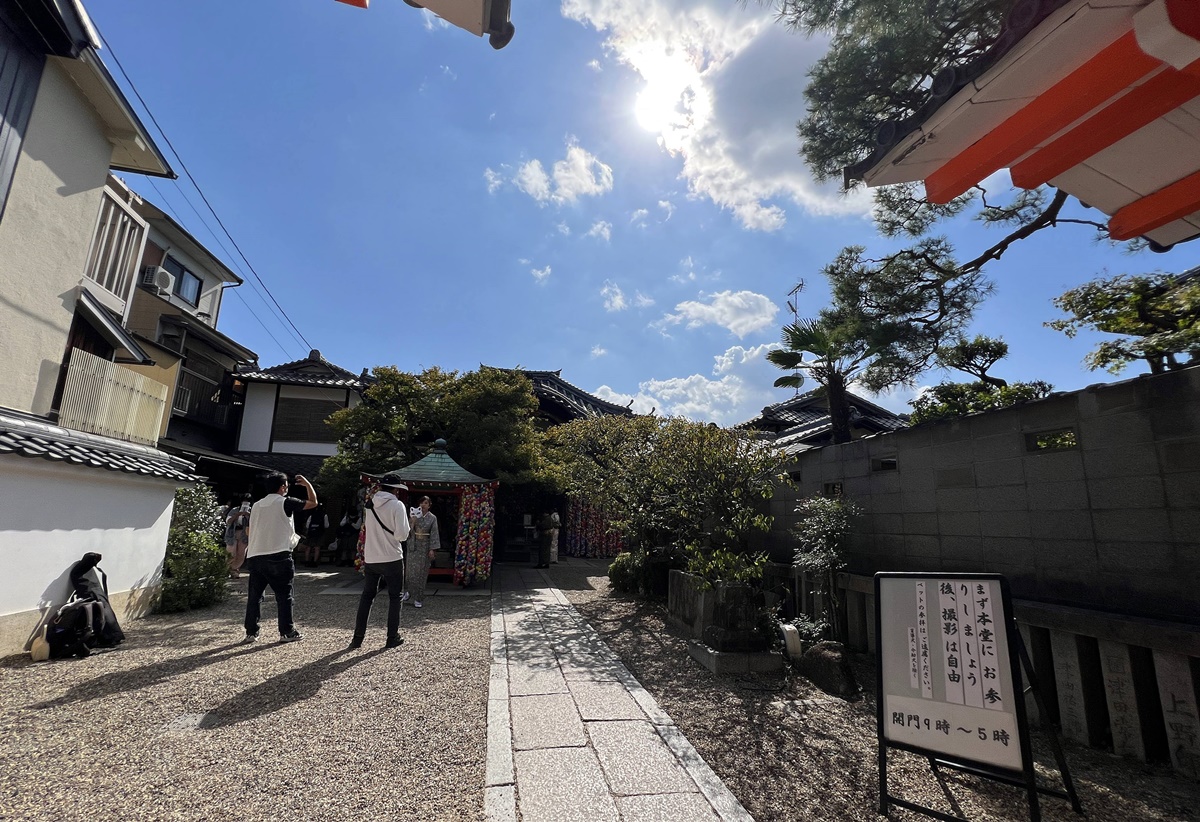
<point>285,689</point>
<point>148,675</point>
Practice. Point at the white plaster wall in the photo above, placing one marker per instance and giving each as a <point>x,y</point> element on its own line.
<point>319,449</point>
<point>257,416</point>
<point>51,514</point>
<point>210,285</point>
<point>44,238</point>
<point>312,392</point>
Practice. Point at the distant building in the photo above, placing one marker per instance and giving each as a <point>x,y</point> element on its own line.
<point>283,420</point>
<point>561,402</point>
<point>803,422</point>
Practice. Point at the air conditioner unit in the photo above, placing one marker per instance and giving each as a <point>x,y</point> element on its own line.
<point>157,278</point>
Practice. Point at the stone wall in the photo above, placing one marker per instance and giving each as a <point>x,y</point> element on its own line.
<point>1111,522</point>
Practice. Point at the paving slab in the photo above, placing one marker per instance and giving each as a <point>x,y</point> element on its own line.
<point>666,807</point>
<point>719,797</point>
<point>636,760</point>
<point>562,785</point>
<point>499,769</point>
<point>500,804</point>
<point>604,701</point>
<point>530,678</point>
<point>546,721</point>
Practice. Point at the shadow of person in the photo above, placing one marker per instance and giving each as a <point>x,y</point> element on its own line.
<point>147,675</point>
<point>284,689</point>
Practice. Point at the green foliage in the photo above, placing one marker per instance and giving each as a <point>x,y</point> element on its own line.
<point>720,565</point>
<point>487,418</point>
<point>1157,316</point>
<point>811,630</point>
<point>197,510</point>
<point>195,572</point>
<point>626,571</point>
<point>956,399</point>
<point>820,549</point>
<point>975,357</point>
<point>668,481</point>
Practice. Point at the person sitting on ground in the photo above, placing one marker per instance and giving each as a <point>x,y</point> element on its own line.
<point>272,535</point>
<point>386,525</point>
<point>90,584</point>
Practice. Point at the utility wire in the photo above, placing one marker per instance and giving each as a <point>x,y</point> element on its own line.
<point>200,191</point>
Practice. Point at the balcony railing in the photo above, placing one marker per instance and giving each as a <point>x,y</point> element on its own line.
<point>117,245</point>
<point>198,398</point>
<point>104,398</point>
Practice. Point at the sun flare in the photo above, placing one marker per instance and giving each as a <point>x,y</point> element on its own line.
<point>659,105</point>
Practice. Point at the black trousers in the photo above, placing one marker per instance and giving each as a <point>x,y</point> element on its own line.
<point>373,572</point>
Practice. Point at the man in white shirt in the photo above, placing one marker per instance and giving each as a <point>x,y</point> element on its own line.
<point>272,536</point>
<point>387,525</point>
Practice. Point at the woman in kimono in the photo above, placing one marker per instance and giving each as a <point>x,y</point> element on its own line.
<point>423,541</point>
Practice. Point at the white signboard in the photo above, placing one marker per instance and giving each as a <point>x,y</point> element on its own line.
<point>945,671</point>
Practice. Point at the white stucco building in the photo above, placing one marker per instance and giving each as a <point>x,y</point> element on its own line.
<point>79,470</point>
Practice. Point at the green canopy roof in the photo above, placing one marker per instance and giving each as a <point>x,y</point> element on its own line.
<point>438,468</point>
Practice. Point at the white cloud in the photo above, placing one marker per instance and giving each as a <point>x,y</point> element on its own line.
<point>432,21</point>
<point>642,301</point>
<point>741,312</point>
<point>594,65</point>
<point>740,387</point>
<point>494,180</point>
<point>598,351</point>
<point>522,261</point>
<point>564,229</point>
<point>723,90</point>
<point>614,297</point>
<point>667,206</point>
<point>541,274</point>
<point>638,218</point>
<point>579,174</point>
<point>533,180</point>
<point>687,273</point>
<point>449,72</point>
<point>737,356</point>
<point>601,229</point>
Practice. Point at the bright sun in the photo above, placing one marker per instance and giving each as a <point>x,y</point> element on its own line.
<point>667,78</point>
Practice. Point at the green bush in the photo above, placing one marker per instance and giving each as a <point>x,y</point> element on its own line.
<point>195,572</point>
<point>626,571</point>
<point>721,565</point>
<point>197,510</point>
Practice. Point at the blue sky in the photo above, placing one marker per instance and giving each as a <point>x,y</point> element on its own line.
<point>616,194</point>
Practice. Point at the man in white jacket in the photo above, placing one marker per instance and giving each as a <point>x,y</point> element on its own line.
<point>271,536</point>
<point>387,525</point>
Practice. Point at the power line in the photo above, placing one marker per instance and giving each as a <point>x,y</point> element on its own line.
<point>200,191</point>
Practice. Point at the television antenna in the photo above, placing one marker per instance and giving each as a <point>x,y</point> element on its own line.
<point>793,298</point>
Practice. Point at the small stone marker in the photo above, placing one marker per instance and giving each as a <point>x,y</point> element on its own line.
<point>1123,717</point>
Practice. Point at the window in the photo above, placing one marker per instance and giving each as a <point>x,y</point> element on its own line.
<point>187,284</point>
<point>832,490</point>
<point>1060,440</point>
<point>884,464</point>
<point>300,420</point>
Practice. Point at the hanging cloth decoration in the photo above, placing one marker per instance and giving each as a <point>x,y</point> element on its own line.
<point>589,533</point>
<point>476,524</point>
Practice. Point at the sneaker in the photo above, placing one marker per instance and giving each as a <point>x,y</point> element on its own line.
<point>417,604</point>
<point>404,597</point>
<point>394,642</point>
<point>294,636</point>
<point>355,643</point>
<point>251,637</point>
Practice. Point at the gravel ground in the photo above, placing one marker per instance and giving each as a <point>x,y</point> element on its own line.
<point>300,731</point>
<point>788,751</point>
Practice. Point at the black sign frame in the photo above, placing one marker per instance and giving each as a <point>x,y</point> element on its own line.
<point>1018,659</point>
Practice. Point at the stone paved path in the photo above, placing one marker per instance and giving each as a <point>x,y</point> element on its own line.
<point>571,734</point>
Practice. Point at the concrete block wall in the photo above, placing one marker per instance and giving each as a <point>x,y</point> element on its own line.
<point>1113,522</point>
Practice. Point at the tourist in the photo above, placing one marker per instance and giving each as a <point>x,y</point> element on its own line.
<point>271,538</point>
<point>545,532</point>
<point>555,524</point>
<point>386,524</point>
<point>422,546</point>
<point>347,534</point>
<point>314,536</point>
<point>237,515</point>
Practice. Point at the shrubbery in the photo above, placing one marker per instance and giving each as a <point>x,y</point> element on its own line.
<point>626,571</point>
<point>195,570</point>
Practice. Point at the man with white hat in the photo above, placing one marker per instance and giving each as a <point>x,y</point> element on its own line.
<point>387,525</point>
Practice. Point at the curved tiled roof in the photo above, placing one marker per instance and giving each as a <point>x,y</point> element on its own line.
<point>439,468</point>
<point>551,387</point>
<point>35,438</point>
<point>312,370</point>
